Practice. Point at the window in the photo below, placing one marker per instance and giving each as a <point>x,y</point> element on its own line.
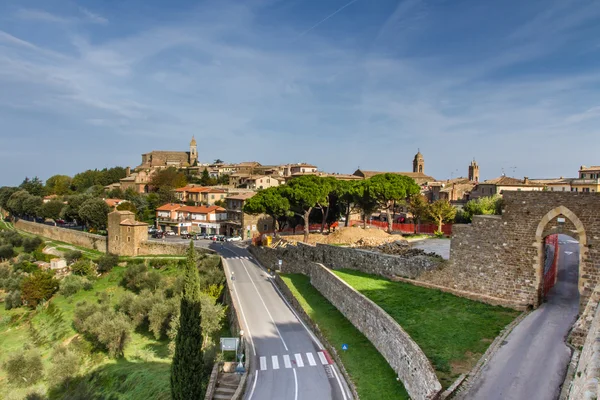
<point>582,176</point>
<point>265,227</point>
<point>128,229</point>
<point>116,238</point>
<point>563,189</point>
<point>268,181</point>
<point>128,238</point>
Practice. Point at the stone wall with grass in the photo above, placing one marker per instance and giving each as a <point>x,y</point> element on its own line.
<point>337,257</point>
<point>78,238</point>
<point>395,345</point>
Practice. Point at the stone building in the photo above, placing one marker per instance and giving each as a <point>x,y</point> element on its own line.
<point>503,184</point>
<point>125,234</point>
<point>241,224</point>
<point>165,159</point>
<point>474,171</point>
<point>417,174</point>
<point>419,163</point>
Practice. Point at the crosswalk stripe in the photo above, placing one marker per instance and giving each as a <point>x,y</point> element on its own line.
<point>299,361</point>
<point>275,362</point>
<point>286,361</point>
<point>311,359</point>
<point>322,358</point>
<point>263,363</point>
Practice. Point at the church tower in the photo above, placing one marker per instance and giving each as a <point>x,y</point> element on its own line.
<point>193,152</point>
<point>419,163</point>
<point>474,171</point>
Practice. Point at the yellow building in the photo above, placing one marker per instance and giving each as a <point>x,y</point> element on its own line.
<point>588,181</point>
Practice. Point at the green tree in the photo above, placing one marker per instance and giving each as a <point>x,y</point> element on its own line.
<point>187,369</point>
<point>33,206</point>
<point>489,205</point>
<point>58,184</point>
<point>66,364</point>
<point>271,202</point>
<point>52,209</point>
<point>6,252</point>
<point>127,206</point>
<point>441,211</point>
<point>70,212</point>
<point>346,192</point>
<point>363,199</point>
<point>386,189</point>
<point>419,208</point>
<point>24,368</point>
<point>38,287</point>
<point>94,213</point>
<point>5,193</point>
<point>15,203</point>
<point>305,193</point>
<point>33,186</point>
<point>169,178</point>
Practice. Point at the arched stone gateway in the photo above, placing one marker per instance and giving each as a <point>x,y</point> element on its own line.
<point>498,259</point>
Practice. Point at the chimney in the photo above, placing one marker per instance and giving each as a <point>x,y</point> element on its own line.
<point>127,171</point>
<point>526,180</point>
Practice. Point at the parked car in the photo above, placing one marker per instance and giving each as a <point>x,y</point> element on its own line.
<point>158,235</point>
<point>186,235</point>
<point>234,239</point>
<point>170,233</point>
<point>220,238</point>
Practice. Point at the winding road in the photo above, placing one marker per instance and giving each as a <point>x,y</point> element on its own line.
<point>288,362</point>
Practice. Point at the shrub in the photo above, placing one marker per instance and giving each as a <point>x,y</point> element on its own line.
<point>6,252</point>
<point>108,329</point>
<point>439,234</point>
<point>107,262</point>
<point>31,244</point>
<point>72,256</point>
<point>82,312</point>
<point>72,284</point>
<point>24,368</point>
<point>161,315</point>
<point>66,364</point>
<point>38,287</point>
<point>13,300</point>
<point>25,266</point>
<point>35,396</point>
<point>137,278</point>
<point>11,237</point>
<point>41,256</point>
<point>84,268</point>
<point>138,307</point>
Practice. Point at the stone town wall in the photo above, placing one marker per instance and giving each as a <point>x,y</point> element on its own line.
<point>396,346</point>
<point>585,381</point>
<point>78,238</point>
<point>152,248</point>
<point>343,257</point>
<point>501,256</point>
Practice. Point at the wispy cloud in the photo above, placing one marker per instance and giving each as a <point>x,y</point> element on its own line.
<point>93,17</point>
<point>40,15</point>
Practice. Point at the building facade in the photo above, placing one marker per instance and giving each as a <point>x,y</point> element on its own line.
<point>588,180</point>
<point>200,195</point>
<point>241,224</point>
<point>191,219</point>
<point>165,159</point>
<point>125,234</point>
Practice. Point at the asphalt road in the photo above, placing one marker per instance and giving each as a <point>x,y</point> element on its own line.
<point>289,361</point>
<point>533,361</point>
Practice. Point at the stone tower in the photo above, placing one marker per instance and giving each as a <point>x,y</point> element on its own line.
<point>419,163</point>
<point>474,171</point>
<point>193,152</point>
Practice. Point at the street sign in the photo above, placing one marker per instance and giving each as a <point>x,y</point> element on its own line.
<point>280,262</point>
<point>229,344</point>
<point>344,347</point>
<point>560,220</point>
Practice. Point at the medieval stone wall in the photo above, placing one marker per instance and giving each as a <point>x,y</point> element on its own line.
<point>502,256</point>
<point>343,257</point>
<point>585,381</point>
<point>78,238</point>
<point>152,248</point>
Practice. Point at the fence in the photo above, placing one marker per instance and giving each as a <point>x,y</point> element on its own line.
<point>406,227</point>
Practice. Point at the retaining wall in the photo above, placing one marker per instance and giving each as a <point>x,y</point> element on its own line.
<point>78,238</point>
<point>336,257</point>
<point>585,383</point>
<point>395,345</point>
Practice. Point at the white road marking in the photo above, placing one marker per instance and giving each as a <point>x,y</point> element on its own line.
<point>568,252</point>
<point>239,303</point>
<point>296,382</point>
<point>286,361</point>
<point>275,361</point>
<point>311,359</point>
<point>299,361</point>
<point>263,363</point>
<point>322,358</point>
<point>253,386</point>
<point>339,382</point>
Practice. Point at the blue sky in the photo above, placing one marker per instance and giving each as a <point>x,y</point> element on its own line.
<point>93,84</point>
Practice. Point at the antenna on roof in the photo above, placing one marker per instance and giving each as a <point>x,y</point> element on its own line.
<point>503,174</point>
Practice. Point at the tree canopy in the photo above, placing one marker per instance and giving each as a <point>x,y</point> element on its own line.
<point>58,184</point>
<point>441,211</point>
<point>94,213</point>
<point>271,202</point>
<point>388,188</point>
<point>304,193</point>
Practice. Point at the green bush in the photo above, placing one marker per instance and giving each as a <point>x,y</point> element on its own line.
<point>107,262</point>
<point>6,252</point>
<point>72,256</point>
<point>439,234</point>
<point>11,237</point>
<point>13,300</point>
<point>66,364</point>
<point>35,396</point>
<point>137,278</point>
<point>38,287</point>
<point>25,266</point>
<point>24,368</point>
<point>72,284</point>
<point>31,244</point>
<point>83,267</point>
<point>39,255</point>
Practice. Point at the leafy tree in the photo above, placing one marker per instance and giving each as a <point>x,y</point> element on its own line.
<point>161,315</point>
<point>137,277</point>
<point>73,255</point>
<point>106,262</point>
<point>33,206</point>
<point>305,193</point>
<point>15,203</point>
<point>72,284</point>
<point>271,202</point>
<point>38,287</point>
<point>346,192</point>
<point>441,211</point>
<point>386,189</point>
<point>219,161</point>
<point>111,330</point>
<point>94,213</point>
<point>169,178</point>
<point>127,206</point>
<point>6,252</point>
<point>364,200</point>
<point>66,364</point>
<point>71,211</point>
<point>5,193</point>
<point>31,244</point>
<point>187,368</point>
<point>223,179</point>
<point>52,209</point>
<point>58,184</point>
<point>13,300</point>
<point>419,208</point>
<point>83,267</point>
<point>24,368</point>
<point>490,205</point>
<point>33,186</point>
<point>11,237</point>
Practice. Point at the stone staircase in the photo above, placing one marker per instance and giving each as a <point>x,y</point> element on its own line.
<point>227,384</point>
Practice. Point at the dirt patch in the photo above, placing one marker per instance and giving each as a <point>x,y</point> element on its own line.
<point>397,248</point>
<point>465,365</point>
<point>351,236</point>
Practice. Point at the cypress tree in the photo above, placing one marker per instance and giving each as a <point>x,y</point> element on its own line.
<point>187,369</point>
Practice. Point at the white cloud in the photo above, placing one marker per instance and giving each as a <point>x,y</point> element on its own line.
<point>40,15</point>
<point>93,17</point>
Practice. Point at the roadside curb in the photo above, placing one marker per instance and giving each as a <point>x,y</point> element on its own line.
<point>462,389</point>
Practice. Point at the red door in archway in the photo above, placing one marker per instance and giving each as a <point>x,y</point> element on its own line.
<point>550,263</point>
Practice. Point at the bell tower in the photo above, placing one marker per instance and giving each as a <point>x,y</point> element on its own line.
<point>474,171</point>
<point>193,152</point>
<point>419,163</point>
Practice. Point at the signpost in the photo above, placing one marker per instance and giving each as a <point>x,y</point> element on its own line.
<point>229,344</point>
<point>344,347</point>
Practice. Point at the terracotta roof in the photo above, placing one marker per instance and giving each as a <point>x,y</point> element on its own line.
<point>169,207</point>
<point>552,181</point>
<point>414,175</point>
<point>199,189</point>
<point>241,196</point>
<point>113,202</point>
<point>132,222</point>
<point>248,164</point>
<point>592,168</point>
<point>508,181</point>
<point>201,209</point>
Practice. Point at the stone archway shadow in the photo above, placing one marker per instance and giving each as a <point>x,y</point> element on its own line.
<point>579,235</point>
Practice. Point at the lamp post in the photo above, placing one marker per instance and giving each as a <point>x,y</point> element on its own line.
<point>240,366</point>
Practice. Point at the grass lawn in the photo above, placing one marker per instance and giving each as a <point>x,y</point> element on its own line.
<point>373,377</point>
<point>452,331</point>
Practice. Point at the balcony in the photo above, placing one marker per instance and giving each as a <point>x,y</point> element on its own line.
<point>585,182</point>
